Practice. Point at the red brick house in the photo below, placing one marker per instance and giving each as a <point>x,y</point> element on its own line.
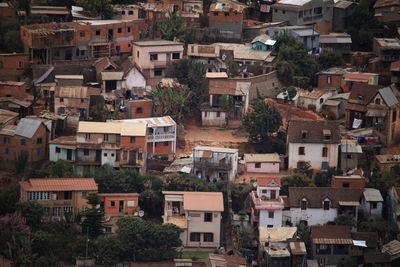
<point>13,65</point>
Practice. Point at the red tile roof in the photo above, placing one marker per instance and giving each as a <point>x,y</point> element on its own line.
<point>265,181</point>
<point>59,184</point>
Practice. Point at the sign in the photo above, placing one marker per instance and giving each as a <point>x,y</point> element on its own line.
<point>356,123</point>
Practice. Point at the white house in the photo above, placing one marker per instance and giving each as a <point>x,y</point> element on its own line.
<point>267,204</point>
<point>262,163</point>
<point>215,163</point>
<point>320,205</point>
<point>372,202</point>
<point>315,142</point>
<point>314,99</point>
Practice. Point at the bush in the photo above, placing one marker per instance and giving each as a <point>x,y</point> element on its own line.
<point>312,107</point>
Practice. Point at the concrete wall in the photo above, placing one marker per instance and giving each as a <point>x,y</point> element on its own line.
<point>313,216</point>
<point>313,154</point>
<point>54,156</point>
<point>368,210</point>
<point>197,224</point>
<point>134,79</point>
<point>266,167</point>
<point>135,106</point>
<point>266,221</point>
<point>210,118</point>
<point>108,156</point>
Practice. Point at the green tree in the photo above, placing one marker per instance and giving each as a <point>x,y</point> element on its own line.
<point>9,197</point>
<point>107,250</point>
<point>102,8</point>
<point>173,27</point>
<point>284,39</point>
<point>304,233</point>
<point>93,217</point>
<point>296,180</point>
<point>285,71</point>
<point>263,120</point>
<point>233,68</point>
<point>330,59</point>
<point>33,213</point>
<point>290,92</point>
<point>345,219</point>
<point>345,261</point>
<point>324,178</point>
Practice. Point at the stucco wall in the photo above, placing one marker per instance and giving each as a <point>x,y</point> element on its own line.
<point>266,221</point>
<point>266,167</point>
<point>209,118</point>
<point>313,154</point>
<point>313,216</point>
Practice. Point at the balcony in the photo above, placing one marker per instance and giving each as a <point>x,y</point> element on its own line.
<point>269,204</point>
<point>178,220</point>
<point>212,165</point>
<point>161,137</point>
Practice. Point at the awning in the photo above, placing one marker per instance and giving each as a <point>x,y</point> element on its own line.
<point>173,198</point>
<point>349,203</point>
<point>376,113</point>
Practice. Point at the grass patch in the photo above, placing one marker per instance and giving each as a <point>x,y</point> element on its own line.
<point>196,254</point>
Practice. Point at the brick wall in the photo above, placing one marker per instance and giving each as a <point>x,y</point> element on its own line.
<point>12,66</point>
<point>336,80</point>
<point>146,106</point>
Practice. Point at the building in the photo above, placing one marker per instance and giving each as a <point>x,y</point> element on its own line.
<point>59,196</point>
<point>393,204</point>
<point>22,107</point>
<point>267,204</point>
<point>262,163</point>
<point>139,108</point>
<point>371,203</point>
<point>387,50</point>
<point>45,43</point>
<point>69,80</point>
<point>28,138</point>
<point>306,35</point>
<point>393,249</point>
<point>377,107</point>
<point>315,142</point>
<point>342,14</point>
<point>72,100</point>
<point>215,163</point>
<point>352,78</point>
<point>50,13</point>
<point>330,243</point>
<point>331,77</point>
<point>129,12</point>
<point>298,251</point>
<point>387,11</point>
<point>13,65</point>
<point>63,148</point>
<point>320,205</point>
<point>263,42</point>
<point>227,16</point>
<point>336,105</point>
<point>349,181</point>
<point>395,70</point>
<point>350,154</point>
<point>313,100</point>
<point>198,214</point>
<point>152,57</point>
<point>387,161</point>
<point>162,132</point>
<point>309,12</point>
<point>338,42</point>
<point>8,118</point>
<point>19,90</point>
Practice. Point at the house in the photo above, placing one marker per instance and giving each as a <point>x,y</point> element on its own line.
<point>376,107</point>
<point>371,203</point>
<point>50,13</point>
<point>393,249</point>
<point>387,11</point>
<point>162,132</point>
<point>198,214</point>
<point>6,10</point>
<point>181,165</point>
<point>229,101</point>
<point>63,148</point>
<point>103,64</point>
<point>129,12</point>
<point>8,118</point>
<point>342,14</point>
<point>336,105</point>
<point>215,163</point>
<point>210,55</point>
<point>352,78</point>
<point>298,251</point>
<point>263,42</point>
<point>13,65</point>
<point>320,205</point>
<point>23,107</point>
<point>134,81</point>
<point>330,242</point>
<point>313,100</point>
<point>267,204</point>
<point>395,70</point>
<point>59,196</point>
<point>227,16</point>
<point>28,138</point>
<point>316,142</point>
<point>306,35</point>
<point>349,181</point>
<point>338,42</point>
<point>19,90</point>
<point>331,77</point>
<point>72,99</point>
<point>363,243</point>
<point>79,40</point>
<point>309,12</point>
<point>262,163</point>
<point>69,80</point>
<point>350,154</point>
<point>387,161</point>
<point>219,260</point>
<point>387,50</point>
<point>152,57</point>
<point>393,204</point>
<point>139,108</point>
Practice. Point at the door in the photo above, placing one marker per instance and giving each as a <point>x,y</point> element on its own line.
<point>69,154</point>
<point>110,34</point>
<point>68,54</point>
<point>132,157</point>
<point>98,155</point>
<point>121,206</point>
<point>273,194</point>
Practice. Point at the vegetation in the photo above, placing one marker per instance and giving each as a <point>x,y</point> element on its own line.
<point>32,212</point>
<point>290,91</point>
<point>102,8</point>
<point>173,27</point>
<point>93,217</point>
<point>323,178</point>
<point>330,59</point>
<point>295,180</point>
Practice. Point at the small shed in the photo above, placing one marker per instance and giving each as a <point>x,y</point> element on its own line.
<point>262,163</point>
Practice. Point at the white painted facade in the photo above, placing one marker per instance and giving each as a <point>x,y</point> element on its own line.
<point>304,102</point>
<point>313,216</point>
<point>134,79</point>
<point>313,154</point>
<point>109,156</point>
<point>213,118</point>
<point>266,221</point>
<point>370,210</point>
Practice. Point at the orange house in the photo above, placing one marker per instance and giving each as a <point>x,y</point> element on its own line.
<point>119,203</point>
<point>13,65</point>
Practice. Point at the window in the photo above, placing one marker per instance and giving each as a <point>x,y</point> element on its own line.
<point>22,142</point>
<point>39,196</point>
<point>82,34</point>
<point>6,140</point>
<point>157,72</point>
<point>19,65</point>
<point>112,154</point>
<point>218,114</point>
<point>119,30</point>
<point>105,154</point>
<point>105,137</point>
<point>137,54</point>
<point>38,151</point>
<point>61,99</point>
<point>208,237</point>
<point>226,14</point>
<point>67,210</point>
<point>97,32</point>
<point>326,205</point>
<point>128,29</point>
<point>87,136</point>
<point>304,134</point>
<point>349,156</point>
<point>140,156</point>
<point>195,237</point>
<point>271,214</point>
<point>82,100</point>
<point>86,152</point>
<point>39,141</point>
<point>58,150</point>
<point>108,229</point>
<point>176,56</point>
<point>345,185</point>
<point>301,150</point>
<point>153,57</point>
<point>56,211</point>
<point>378,101</point>
<point>300,14</point>
<point>323,249</point>
<point>139,110</point>
<point>329,79</point>
<point>84,193</point>
<point>166,143</point>
<point>133,139</point>
<point>340,249</point>
<point>257,165</point>
<point>6,151</point>
<point>112,203</point>
<point>125,155</point>
<point>1,64</point>
<point>394,116</point>
<point>208,217</point>
<point>283,11</point>
<point>304,204</point>
<point>324,152</point>
<point>130,12</point>
<point>123,13</point>
<point>374,205</point>
<point>318,10</point>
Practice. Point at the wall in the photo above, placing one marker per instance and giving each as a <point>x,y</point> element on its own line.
<point>336,80</point>
<point>368,211</point>
<point>108,156</point>
<point>108,210</point>
<point>313,154</point>
<point>266,167</point>
<point>145,104</point>
<point>88,158</point>
<point>209,118</point>
<point>71,105</point>
<point>53,156</point>
<point>353,183</point>
<point>346,163</point>
<point>134,79</point>
<point>313,216</point>
<point>197,224</point>
<point>265,221</point>
<point>13,66</point>
<point>19,92</point>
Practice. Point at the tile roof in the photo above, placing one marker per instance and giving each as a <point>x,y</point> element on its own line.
<point>363,93</point>
<point>27,127</point>
<point>200,201</point>
<point>331,234</point>
<point>314,94</point>
<point>314,131</point>
<point>269,181</point>
<point>315,196</point>
<point>270,157</point>
<point>59,184</point>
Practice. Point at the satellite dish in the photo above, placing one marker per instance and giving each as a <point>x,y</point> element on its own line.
<point>141,213</point>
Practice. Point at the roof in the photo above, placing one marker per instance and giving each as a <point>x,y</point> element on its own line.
<point>265,39</point>
<point>358,77</point>
<point>216,75</point>
<point>71,91</point>
<point>6,116</point>
<point>388,96</point>
<point>64,140</point>
<point>224,260</point>
<point>12,83</point>
<point>392,248</point>
<point>331,234</point>
<point>8,130</point>
<point>153,122</point>
<point>293,3</point>
<point>200,201</point>
<point>216,149</point>
<point>122,128</point>
<point>156,43</point>
<point>351,149</point>
<point>331,102</point>
<point>276,234</point>
<point>69,77</point>
<point>271,157</point>
<point>385,3</point>
<point>355,177</point>
<point>363,93</point>
<point>314,131</point>
<point>343,4</point>
<point>371,238</point>
<point>315,196</point>
<point>15,101</point>
<point>27,127</point>
<point>306,32</point>
<point>268,181</point>
<point>59,184</point>
<point>388,43</point>
<point>314,94</point>
<point>298,248</point>
<point>112,75</point>
<point>395,66</point>
<point>376,257</point>
<point>372,194</point>
<point>335,38</point>
<point>104,63</point>
<point>227,6</point>
<point>388,158</point>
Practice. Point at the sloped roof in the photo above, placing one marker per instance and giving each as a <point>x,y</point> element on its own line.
<point>200,201</point>
<point>153,121</point>
<point>112,75</point>
<point>276,234</point>
<point>59,184</point>
<point>363,93</point>
<point>265,39</point>
<point>343,4</point>
<point>314,131</point>
<point>385,3</point>
<point>268,181</point>
<point>71,91</point>
<point>372,194</point>
<point>388,96</point>
<point>331,234</point>
<point>122,128</point>
<point>392,248</point>
<point>298,248</point>
<point>6,115</point>
<point>271,157</point>
<point>371,238</point>
<point>103,64</point>
<point>27,127</point>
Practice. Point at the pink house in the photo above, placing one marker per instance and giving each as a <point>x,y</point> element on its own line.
<point>262,163</point>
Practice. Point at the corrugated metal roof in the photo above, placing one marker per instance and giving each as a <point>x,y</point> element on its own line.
<point>334,241</point>
<point>111,75</point>
<point>216,149</point>
<point>27,127</point>
<point>216,75</point>
<point>331,102</point>
<point>298,248</point>
<point>306,32</point>
<point>154,121</point>
<point>271,157</point>
<point>71,91</point>
<point>393,247</point>
<point>388,96</point>
<point>59,184</point>
<point>372,194</point>
<point>323,39</point>
<point>124,129</point>
<point>69,77</point>
<point>276,234</point>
